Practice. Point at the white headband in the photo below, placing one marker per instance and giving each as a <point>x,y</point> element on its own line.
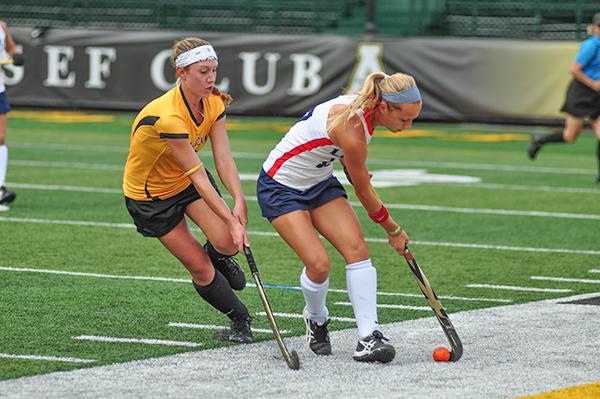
<point>201,53</point>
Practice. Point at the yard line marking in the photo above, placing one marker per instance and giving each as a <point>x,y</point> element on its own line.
<point>67,188</point>
<point>187,281</point>
<point>144,341</point>
<point>565,280</point>
<point>484,166</point>
<point>214,327</point>
<point>493,186</point>
<point>515,288</point>
<point>506,212</point>
<point>70,165</point>
<point>368,239</point>
<point>300,316</point>
<point>414,207</point>
<point>46,358</point>
<point>82,274</point>
<point>594,271</point>
<point>390,162</point>
<point>390,306</point>
<point>71,147</point>
<point>458,298</point>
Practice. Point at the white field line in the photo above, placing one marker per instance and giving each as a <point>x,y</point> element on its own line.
<point>215,327</point>
<point>413,207</point>
<point>484,166</point>
<point>565,280</point>
<point>594,271</point>
<point>273,234</point>
<point>187,281</point>
<point>299,316</point>
<point>81,274</point>
<point>520,187</point>
<point>505,212</point>
<point>67,188</point>
<point>69,165</point>
<point>46,358</point>
<point>250,155</point>
<point>390,306</point>
<point>144,341</point>
<point>514,288</point>
<point>458,298</point>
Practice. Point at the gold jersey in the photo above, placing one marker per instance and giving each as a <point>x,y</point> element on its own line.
<point>151,171</point>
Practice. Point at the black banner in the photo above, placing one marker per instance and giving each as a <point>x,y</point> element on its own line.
<point>287,74</point>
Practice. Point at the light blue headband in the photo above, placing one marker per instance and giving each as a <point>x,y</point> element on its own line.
<point>409,95</point>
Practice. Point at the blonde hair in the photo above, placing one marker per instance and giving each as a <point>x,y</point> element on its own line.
<point>371,90</point>
<point>188,43</point>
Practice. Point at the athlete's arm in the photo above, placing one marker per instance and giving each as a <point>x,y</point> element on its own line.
<point>583,78</point>
<point>227,169</point>
<point>353,144</point>
<point>187,159</point>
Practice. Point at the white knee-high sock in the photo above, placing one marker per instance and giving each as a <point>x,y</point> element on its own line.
<point>315,295</point>
<point>3,163</point>
<point>361,280</point>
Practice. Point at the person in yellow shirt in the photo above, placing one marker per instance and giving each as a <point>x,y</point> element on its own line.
<point>164,180</point>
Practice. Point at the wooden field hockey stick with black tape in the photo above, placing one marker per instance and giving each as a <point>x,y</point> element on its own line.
<point>440,313</point>
<point>291,358</point>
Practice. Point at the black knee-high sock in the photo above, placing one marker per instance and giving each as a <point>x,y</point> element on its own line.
<point>552,138</point>
<point>220,295</point>
<point>215,256</point>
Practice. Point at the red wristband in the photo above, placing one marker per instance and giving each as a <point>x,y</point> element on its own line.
<point>381,215</point>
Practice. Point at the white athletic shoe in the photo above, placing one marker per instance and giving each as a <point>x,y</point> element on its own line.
<point>374,349</point>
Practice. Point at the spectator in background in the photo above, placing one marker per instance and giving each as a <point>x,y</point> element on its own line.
<point>299,195</point>
<point>164,181</point>
<point>583,96</point>
<point>6,45</point>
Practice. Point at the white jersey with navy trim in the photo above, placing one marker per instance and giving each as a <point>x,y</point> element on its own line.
<point>305,155</point>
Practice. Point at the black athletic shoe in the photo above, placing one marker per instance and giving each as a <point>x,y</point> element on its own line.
<point>318,337</point>
<point>228,267</point>
<point>598,179</point>
<point>374,349</point>
<point>534,147</point>
<point>240,330</point>
<point>6,197</point>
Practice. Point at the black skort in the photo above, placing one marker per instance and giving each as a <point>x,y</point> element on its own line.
<point>158,217</point>
<point>582,101</point>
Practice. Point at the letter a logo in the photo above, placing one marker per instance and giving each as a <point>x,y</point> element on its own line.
<point>369,59</point>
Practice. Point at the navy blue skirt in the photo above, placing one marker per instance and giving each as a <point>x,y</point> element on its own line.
<point>276,199</point>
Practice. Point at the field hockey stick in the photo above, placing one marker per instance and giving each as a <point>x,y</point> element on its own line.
<point>7,61</point>
<point>291,358</point>
<point>440,313</point>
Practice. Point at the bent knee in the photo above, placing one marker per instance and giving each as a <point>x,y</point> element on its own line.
<point>317,268</point>
<point>356,251</point>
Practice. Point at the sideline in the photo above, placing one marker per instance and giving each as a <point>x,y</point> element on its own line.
<point>510,351</point>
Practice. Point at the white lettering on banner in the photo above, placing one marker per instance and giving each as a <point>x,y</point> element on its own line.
<point>305,78</point>
<point>368,60</point>
<point>157,69</point>
<point>58,66</point>
<point>100,59</point>
<point>224,85</point>
<point>249,72</point>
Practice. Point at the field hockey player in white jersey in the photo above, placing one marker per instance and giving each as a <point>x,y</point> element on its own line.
<point>301,198</point>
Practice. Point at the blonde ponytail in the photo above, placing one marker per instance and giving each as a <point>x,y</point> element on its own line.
<point>370,92</point>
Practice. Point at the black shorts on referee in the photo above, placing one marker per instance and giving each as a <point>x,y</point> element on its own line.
<point>158,217</point>
<point>582,101</point>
